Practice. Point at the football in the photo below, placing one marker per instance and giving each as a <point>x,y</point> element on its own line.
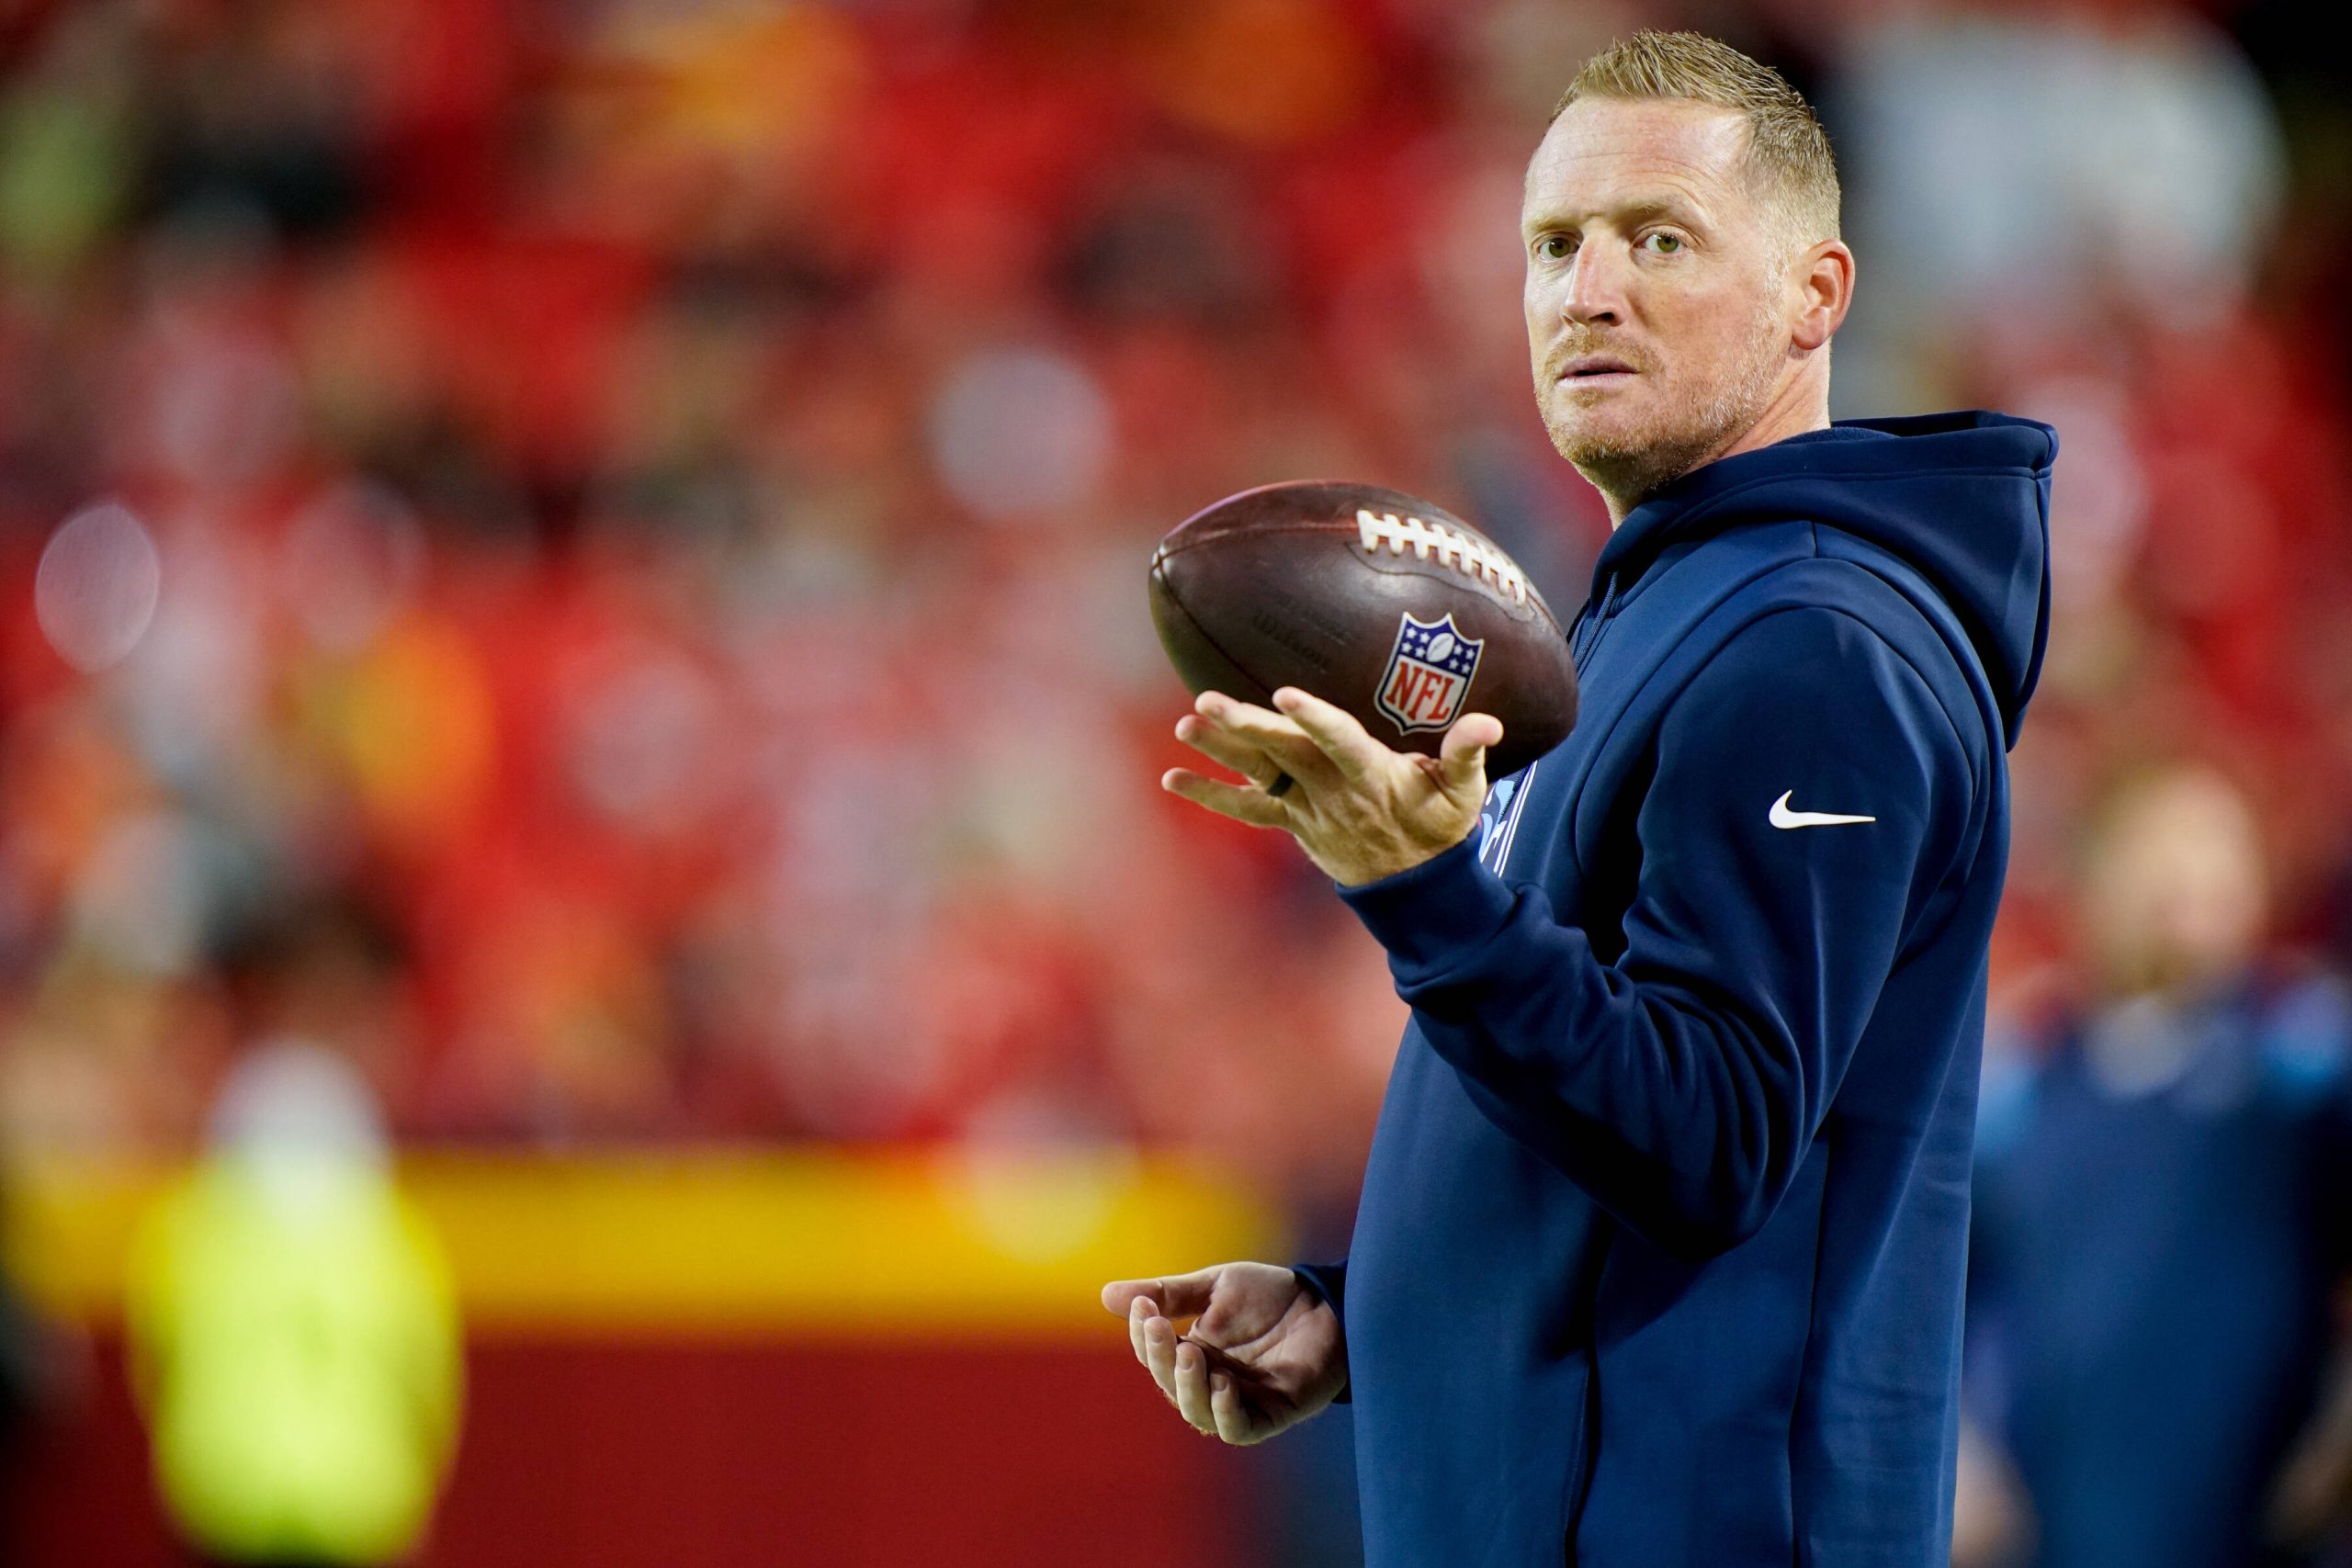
<point>1372,600</point>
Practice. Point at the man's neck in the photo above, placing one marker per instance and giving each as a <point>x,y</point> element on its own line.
<point>1802,405</point>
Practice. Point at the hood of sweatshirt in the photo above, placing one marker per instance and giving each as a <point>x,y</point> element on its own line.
<point>1962,498</point>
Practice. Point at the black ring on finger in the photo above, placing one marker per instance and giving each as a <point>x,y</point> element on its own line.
<point>1281,786</point>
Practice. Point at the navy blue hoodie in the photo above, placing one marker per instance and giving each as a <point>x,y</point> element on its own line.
<point>1660,1253</point>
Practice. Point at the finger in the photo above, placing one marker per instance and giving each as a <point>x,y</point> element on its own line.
<point>1351,749</point>
<point>1223,746</point>
<point>1179,1295</point>
<point>1253,805</point>
<point>1160,1355</point>
<point>1120,1295</point>
<point>1232,1418</point>
<point>1192,1386</point>
<point>1142,1312</point>
<point>1461,756</point>
<point>1289,747</point>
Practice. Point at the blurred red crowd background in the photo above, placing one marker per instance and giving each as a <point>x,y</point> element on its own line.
<point>591,555</point>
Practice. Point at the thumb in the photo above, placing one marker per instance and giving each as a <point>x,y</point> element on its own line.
<point>1462,758</point>
<point>1176,1295</point>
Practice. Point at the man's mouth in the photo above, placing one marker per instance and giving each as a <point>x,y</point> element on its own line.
<point>1595,369</point>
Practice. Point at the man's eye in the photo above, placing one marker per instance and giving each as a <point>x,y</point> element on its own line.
<point>1663,243</point>
<point>1555,247</point>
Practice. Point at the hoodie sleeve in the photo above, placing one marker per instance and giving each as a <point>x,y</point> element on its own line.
<point>1681,1085</point>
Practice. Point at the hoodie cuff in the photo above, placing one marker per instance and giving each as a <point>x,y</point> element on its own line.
<point>1427,916</point>
<point>1328,1281</point>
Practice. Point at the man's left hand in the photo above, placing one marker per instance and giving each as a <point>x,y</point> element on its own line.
<point>1360,810</point>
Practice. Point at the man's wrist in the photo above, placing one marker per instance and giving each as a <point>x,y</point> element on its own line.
<point>1428,912</point>
<point>1406,859</point>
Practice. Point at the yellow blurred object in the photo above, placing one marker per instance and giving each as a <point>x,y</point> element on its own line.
<point>297,1351</point>
<point>415,724</point>
<point>1261,70</point>
<point>889,1243</point>
<point>757,78</point>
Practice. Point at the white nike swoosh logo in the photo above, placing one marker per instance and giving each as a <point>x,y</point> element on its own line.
<point>1784,817</point>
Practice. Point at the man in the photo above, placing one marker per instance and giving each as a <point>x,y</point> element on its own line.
<point>1658,1259</point>
<point>2163,1181</point>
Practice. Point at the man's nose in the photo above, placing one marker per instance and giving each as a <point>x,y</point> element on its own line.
<point>1596,291</point>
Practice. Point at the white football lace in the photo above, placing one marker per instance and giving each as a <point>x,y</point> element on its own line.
<point>1428,540</point>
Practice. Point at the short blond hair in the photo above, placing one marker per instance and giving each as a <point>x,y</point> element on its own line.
<point>1788,152</point>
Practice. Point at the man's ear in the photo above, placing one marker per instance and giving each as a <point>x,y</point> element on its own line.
<point>1824,282</point>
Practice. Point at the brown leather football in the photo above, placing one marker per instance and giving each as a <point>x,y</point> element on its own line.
<point>1374,600</point>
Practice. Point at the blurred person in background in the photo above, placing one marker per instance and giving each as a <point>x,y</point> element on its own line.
<point>2161,1221</point>
<point>293,1331</point>
<point>2133,142</point>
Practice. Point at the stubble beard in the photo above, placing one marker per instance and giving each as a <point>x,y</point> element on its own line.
<point>1631,467</point>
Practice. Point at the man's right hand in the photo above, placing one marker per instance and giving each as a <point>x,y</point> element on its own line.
<point>1263,1353</point>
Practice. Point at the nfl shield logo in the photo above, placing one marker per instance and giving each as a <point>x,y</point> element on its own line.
<point>1429,675</point>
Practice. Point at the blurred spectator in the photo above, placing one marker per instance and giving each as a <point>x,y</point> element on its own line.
<point>293,1335</point>
<point>2163,1209</point>
<point>2014,168</point>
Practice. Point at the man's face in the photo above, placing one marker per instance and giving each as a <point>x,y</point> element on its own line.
<point>1657,314</point>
